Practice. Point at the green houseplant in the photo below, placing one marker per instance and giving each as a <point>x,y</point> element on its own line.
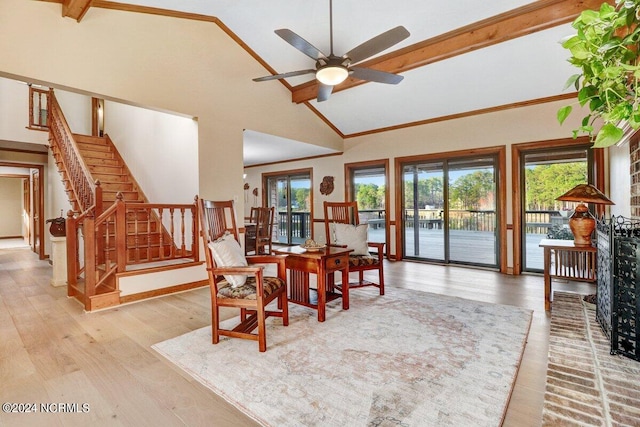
<point>605,48</point>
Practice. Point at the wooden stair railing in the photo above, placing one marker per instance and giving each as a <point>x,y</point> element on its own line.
<point>80,186</point>
<point>112,225</point>
<point>108,243</point>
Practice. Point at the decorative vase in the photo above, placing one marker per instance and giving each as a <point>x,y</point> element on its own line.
<point>57,227</point>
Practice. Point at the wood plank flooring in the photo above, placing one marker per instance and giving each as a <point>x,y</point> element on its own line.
<point>52,352</point>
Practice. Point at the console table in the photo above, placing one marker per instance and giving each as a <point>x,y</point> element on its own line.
<point>323,263</point>
<point>563,259</point>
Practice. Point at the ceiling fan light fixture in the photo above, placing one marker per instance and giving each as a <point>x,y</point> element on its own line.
<point>332,75</point>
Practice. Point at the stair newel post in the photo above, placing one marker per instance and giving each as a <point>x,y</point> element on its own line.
<point>195,240</point>
<point>90,272</point>
<point>99,203</point>
<point>121,233</point>
<point>72,253</point>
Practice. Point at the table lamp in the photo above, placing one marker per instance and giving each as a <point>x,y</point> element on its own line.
<point>582,223</point>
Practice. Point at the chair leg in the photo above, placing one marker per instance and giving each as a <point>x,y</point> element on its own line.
<point>381,280</point>
<point>284,302</point>
<point>215,335</point>
<point>262,330</point>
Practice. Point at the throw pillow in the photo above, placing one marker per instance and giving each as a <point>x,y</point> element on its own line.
<point>354,237</point>
<point>227,252</point>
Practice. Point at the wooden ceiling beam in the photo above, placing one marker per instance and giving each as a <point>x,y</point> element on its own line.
<point>75,8</point>
<point>536,16</point>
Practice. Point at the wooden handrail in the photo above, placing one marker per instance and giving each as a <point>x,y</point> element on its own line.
<point>82,186</point>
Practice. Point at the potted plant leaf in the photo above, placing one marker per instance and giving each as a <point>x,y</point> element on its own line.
<point>605,48</point>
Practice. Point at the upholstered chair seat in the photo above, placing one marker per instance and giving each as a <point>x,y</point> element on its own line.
<point>363,260</point>
<point>248,290</point>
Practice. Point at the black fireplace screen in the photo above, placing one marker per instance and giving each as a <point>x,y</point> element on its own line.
<point>618,282</point>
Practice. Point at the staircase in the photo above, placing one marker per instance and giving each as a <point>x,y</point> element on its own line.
<point>146,238</point>
<point>106,166</point>
<point>112,226</point>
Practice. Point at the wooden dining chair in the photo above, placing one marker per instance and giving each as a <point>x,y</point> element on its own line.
<point>343,229</point>
<point>263,219</point>
<point>237,280</point>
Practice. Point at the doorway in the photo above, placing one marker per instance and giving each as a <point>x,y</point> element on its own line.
<point>32,200</point>
<point>367,184</point>
<point>546,174</point>
<point>290,194</point>
<point>451,207</point>
<point>529,224</point>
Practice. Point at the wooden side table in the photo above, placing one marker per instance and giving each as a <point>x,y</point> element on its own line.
<point>569,262</point>
<point>301,263</point>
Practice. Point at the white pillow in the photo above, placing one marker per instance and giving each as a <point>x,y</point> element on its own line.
<point>354,237</point>
<point>227,252</point>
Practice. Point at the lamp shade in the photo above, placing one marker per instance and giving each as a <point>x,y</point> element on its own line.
<point>582,223</point>
<point>585,193</point>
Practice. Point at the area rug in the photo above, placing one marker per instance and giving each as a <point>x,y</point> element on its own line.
<point>586,385</point>
<point>406,358</point>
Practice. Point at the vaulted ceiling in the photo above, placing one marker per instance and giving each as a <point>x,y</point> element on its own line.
<point>461,58</point>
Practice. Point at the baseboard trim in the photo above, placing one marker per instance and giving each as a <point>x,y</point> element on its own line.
<point>163,291</point>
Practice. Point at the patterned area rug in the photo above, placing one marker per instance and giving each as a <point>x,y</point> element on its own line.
<point>586,385</point>
<point>406,358</point>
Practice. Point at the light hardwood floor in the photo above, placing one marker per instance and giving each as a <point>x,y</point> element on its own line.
<point>52,352</point>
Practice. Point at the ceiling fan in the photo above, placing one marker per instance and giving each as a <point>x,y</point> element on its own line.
<point>332,70</point>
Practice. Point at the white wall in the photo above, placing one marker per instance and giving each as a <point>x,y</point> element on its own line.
<point>160,149</point>
<point>10,207</point>
<point>620,180</point>
<point>14,114</point>
<point>76,109</point>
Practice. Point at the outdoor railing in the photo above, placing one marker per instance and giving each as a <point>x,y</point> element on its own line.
<point>300,224</point>
<point>536,222</point>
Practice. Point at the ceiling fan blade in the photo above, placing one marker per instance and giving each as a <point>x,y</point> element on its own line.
<point>377,44</point>
<point>324,91</point>
<point>283,75</point>
<point>375,75</point>
<point>301,44</point>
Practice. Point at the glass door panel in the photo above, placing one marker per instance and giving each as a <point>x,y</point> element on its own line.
<point>547,174</point>
<point>291,197</point>
<point>300,208</point>
<point>472,212</point>
<point>423,211</point>
<point>370,190</point>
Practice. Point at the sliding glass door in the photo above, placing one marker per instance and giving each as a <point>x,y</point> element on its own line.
<point>424,211</point>
<point>368,187</point>
<point>450,211</point>
<point>546,174</point>
<point>290,194</point>
<point>471,206</point>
